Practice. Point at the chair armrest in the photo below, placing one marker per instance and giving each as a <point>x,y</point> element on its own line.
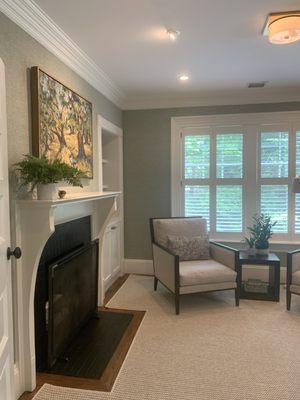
<point>224,254</point>
<point>293,264</point>
<point>166,266</point>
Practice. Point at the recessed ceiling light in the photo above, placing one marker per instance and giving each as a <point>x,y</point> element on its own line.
<point>184,77</point>
<point>173,35</point>
<point>283,28</point>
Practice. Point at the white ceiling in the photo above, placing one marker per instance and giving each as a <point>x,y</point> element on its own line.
<point>221,46</point>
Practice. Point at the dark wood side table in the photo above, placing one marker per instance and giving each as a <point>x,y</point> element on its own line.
<point>273,262</point>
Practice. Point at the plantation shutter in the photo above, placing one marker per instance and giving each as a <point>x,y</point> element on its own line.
<point>214,191</point>
<point>274,167</point>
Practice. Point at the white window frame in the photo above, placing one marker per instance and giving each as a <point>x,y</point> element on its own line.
<point>251,125</point>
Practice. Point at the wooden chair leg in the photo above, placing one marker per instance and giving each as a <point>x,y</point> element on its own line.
<point>155,283</point>
<point>288,298</point>
<point>177,303</point>
<point>237,297</point>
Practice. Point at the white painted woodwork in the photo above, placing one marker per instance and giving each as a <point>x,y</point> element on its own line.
<point>36,220</point>
<point>6,323</point>
<point>110,149</point>
<point>30,17</point>
<point>112,253</point>
<point>232,49</point>
<point>251,125</point>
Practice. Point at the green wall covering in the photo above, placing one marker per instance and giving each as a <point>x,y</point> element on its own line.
<point>19,52</point>
<point>147,166</point>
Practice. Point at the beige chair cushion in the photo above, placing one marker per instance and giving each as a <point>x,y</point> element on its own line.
<point>296,278</point>
<point>204,272</point>
<point>189,227</point>
<point>295,289</point>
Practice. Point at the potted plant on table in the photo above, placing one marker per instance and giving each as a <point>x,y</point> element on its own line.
<point>261,232</point>
<point>250,242</point>
<point>45,175</point>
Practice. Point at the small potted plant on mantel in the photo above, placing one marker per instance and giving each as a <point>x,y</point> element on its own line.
<point>45,175</point>
<point>260,233</point>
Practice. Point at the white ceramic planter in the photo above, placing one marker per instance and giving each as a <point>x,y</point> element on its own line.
<point>47,192</point>
<point>251,251</point>
<point>262,251</point>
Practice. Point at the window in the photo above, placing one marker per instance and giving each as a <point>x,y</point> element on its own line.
<point>274,202</point>
<point>228,168</point>
<point>197,201</point>
<point>274,171</point>
<point>229,208</point>
<point>274,154</point>
<point>214,182</point>
<point>229,156</point>
<point>197,150</point>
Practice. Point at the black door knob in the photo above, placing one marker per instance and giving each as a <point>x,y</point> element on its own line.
<point>16,252</point>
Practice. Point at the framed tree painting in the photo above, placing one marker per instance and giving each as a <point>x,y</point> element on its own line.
<point>61,123</point>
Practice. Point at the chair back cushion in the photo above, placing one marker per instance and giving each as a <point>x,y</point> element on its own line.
<point>195,248</point>
<point>188,227</point>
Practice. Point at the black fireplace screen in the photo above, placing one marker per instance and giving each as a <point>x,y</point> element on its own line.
<point>73,284</point>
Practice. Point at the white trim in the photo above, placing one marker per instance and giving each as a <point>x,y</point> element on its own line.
<point>142,267</point>
<point>252,123</point>
<point>214,98</point>
<point>236,119</point>
<point>30,17</point>
<point>109,126</point>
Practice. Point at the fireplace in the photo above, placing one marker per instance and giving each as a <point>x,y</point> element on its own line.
<point>36,222</point>
<point>66,289</point>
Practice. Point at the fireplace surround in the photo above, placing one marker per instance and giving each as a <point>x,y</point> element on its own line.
<point>36,221</point>
<point>66,288</point>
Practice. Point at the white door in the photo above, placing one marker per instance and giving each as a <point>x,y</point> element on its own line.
<point>6,324</point>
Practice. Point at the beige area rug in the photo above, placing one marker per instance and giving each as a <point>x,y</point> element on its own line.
<point>211,351</point>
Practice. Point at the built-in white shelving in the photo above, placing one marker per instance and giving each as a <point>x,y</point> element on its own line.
<point>111,180</point>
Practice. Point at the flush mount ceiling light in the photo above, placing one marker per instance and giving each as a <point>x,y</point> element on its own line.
<point>184,77</point>
<point>283,28</point>
<point>173,35</point>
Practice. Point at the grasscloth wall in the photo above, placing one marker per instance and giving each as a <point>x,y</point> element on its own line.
<point>19,52</point>
<point>147,166</point>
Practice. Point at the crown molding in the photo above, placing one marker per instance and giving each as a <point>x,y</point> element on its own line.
<point>32,19</point>
<point>214,98</point>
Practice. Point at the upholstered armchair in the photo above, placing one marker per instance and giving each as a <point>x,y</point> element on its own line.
<point>293,276</point>
<point>217,272</point>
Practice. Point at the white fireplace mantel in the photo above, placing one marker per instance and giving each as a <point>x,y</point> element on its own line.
<point>36,220</point>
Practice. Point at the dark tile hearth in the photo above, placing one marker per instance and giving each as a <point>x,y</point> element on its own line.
<point>89,353</point>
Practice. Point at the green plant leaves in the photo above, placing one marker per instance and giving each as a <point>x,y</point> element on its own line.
<point>34,170</point>
<point>261,231</point>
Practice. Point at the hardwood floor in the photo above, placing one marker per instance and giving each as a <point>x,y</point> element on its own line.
<point>105,383</point>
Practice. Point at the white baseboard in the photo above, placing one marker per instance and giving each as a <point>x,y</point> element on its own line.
<point>145,267</point>
<point>134,266</point>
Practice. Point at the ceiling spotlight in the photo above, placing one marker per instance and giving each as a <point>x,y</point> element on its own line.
<point>173,35</point>
<point>184,77</point>
<point>283,28</point>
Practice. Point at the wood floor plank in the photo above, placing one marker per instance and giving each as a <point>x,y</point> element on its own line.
<point>105,383</point>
